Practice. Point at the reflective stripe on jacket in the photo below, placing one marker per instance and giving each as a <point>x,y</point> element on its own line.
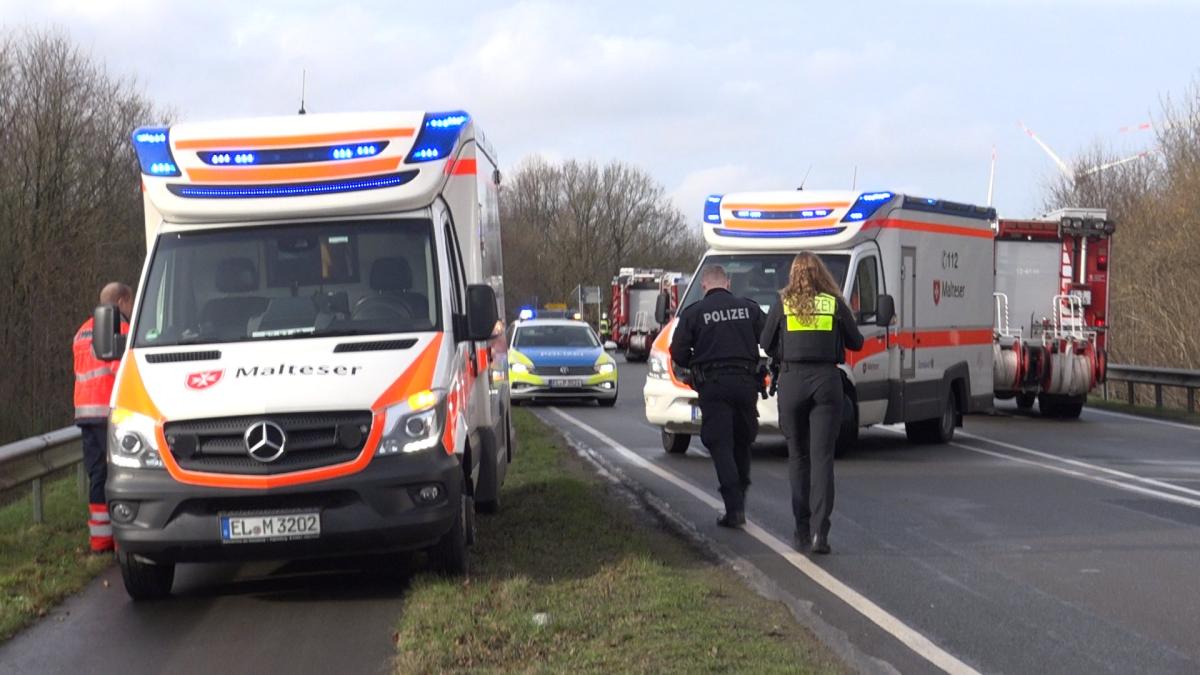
<point>94,379</point>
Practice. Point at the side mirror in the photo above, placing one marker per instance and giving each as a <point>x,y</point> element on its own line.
<point>610,346</point>
<point>885,310</point>
<point>108,344</point>
<point>482,316</point>
<point>662,309</point>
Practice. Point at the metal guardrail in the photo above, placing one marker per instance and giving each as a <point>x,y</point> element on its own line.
<point>1188,380</point>
<point>31,460</point>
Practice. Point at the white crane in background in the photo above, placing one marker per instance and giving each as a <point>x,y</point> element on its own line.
<point>1072,174</point>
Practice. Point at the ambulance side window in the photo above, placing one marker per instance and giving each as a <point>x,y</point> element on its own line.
<point>865,293</point>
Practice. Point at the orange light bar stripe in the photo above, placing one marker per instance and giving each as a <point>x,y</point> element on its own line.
<point>292,172</point>
<point>783,207</point>
<point>298,140</point>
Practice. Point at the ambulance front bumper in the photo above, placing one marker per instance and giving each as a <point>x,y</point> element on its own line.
<point>674,408</point>
<point>378,509</point>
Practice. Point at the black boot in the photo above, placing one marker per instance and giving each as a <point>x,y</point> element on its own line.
<point>734,518</point>
<point>801,540</point>
<point>820,544</point>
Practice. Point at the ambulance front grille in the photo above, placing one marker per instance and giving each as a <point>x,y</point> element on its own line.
<point>314,440</point>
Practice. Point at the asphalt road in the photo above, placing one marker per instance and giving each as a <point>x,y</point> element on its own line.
<point>1028,545</point>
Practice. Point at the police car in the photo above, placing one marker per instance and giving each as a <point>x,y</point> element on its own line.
<point>561,359</point>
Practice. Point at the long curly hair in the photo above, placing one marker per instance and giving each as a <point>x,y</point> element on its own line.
<point>808,278</point>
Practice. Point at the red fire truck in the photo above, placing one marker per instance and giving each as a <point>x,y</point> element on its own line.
<point>1051,309</point>
<point>634,297</point>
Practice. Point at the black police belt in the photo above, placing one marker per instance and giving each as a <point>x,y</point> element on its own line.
<point>711,368</point>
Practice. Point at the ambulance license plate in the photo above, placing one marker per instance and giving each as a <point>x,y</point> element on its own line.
<point>565,383</point>
<point>240,528</point>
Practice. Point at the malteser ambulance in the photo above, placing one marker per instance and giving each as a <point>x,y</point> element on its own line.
<point>916,271</point>
<point>315,363</point>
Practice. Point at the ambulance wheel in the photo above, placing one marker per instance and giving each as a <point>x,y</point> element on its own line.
<point>675,444</point>
<point>449,555</point>
<point>145,580</point>
<point>848,436</point>
<point>1025,401</point>
<point>938,430</point>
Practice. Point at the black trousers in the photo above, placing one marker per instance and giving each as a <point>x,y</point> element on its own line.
<point>95,458</point>
<point>810,416</point>
<point>728,425</point>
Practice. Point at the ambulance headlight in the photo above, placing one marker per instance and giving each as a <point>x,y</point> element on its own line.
<point>414,424</point>
<point>658,367</point>
<point>133,440</point>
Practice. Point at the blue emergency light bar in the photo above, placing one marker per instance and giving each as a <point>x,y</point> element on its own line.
<point>291,189</point>
<point>712,209</point>
<point>866,205</point>
<point>778,234</point>
<point>439,132</point>
<point>322,153</point>
<point>153,147</point>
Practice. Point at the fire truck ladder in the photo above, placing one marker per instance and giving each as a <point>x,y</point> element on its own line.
<point>1068,318</point>
<point>641,323</point>
<point>1000,320</point>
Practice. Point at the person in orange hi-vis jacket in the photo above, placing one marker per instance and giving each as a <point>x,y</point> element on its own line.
<point>94,380</point>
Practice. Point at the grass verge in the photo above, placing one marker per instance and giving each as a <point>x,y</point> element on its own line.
<point>1172,414</point>
<point>566,578</point>
<point>42,564</point>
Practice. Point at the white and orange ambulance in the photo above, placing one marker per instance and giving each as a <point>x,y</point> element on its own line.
<point>315,364</point>
<point>918,273</point>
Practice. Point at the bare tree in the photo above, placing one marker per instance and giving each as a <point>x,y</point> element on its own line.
<point>1156,204</point>
<point>70,213</point>
<point>578,222</point>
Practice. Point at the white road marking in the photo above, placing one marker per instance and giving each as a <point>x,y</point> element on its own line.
<point>914,640</point>
<point>1111,482</point>
<point>1086,465</point>
<point>1151,420</point>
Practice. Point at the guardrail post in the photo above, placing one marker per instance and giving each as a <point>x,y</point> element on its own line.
<point>38,514</point>
<point>1191,400</point>
<point>1129,385</point>
<point>1105,386</point>
<point>1158,396</point>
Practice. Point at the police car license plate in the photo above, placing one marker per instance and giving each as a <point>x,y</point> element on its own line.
<point>270,527</point>
<point>565,382</point>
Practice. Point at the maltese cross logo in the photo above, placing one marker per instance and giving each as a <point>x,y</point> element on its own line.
<point>204,379</point>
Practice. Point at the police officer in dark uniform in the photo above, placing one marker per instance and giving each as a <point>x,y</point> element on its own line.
<point>717,338</point>
<point>808,330</point>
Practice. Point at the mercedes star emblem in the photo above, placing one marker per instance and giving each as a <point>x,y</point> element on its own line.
<point>265,441</point>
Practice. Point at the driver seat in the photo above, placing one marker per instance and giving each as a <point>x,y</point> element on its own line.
<point>392,295</point>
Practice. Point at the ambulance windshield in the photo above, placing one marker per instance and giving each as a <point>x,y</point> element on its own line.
<point>760,276</point>
<point>289,282</point>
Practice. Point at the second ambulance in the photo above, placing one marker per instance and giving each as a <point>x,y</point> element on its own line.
<point>918,274</point>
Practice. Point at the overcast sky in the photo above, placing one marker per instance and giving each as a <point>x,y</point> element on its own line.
<point>707,96</point>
